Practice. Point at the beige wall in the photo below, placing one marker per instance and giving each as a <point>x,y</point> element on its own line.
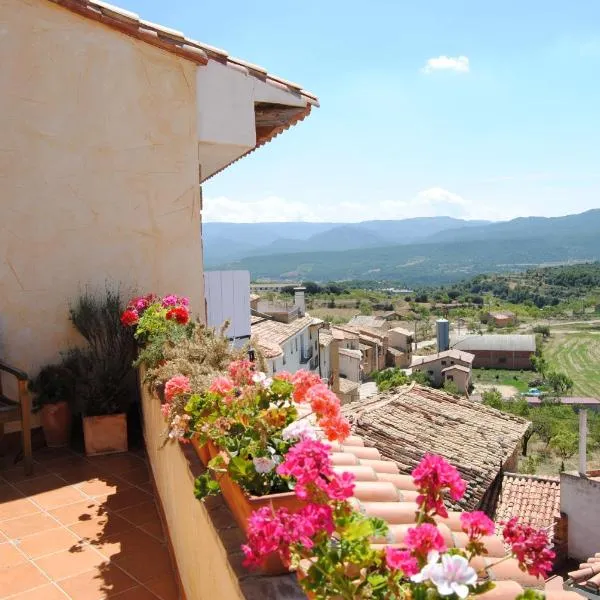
<point>98,172</point>
<point>201,558</point>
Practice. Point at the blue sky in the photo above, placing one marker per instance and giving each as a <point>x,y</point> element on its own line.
<point>466,108</point>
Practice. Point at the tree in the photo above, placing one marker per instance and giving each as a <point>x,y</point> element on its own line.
<point>565,444</point>
<point>365,308</point>
<point>493,398</point>
<point>543,330</point>
<point>560,383</point>
<point>421,378</point>
<point>539,364</point>
<point>451,387</point>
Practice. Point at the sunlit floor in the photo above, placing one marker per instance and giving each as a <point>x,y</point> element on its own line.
<point>82,528</point>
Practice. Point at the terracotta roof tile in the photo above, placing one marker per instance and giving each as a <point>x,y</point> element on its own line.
<point>269,334</point>
<point>409,422</point>
<point>587,577</point>
<point>375,495</point>
<point>534,499</point>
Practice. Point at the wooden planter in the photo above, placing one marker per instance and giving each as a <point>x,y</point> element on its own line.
<point>242,505</point>
<point>56,423</point>
<point>106,434</point>
<point>202,450</point>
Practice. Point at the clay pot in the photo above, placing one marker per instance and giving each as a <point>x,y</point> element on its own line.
<point>202,450</point>
<point>106,434</point>
<point>56,423</point>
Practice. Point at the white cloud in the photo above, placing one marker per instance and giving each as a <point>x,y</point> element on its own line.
<point>432,202</point>
<point>459,64</point>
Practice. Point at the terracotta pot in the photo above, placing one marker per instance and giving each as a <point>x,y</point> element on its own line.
<point>202,450</point>
<point>56,423</point>
<point>106,434</point>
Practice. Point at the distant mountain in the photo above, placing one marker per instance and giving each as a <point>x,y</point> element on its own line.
<point>224,242</point>
<point>586,223</point>
<point>427,263</point>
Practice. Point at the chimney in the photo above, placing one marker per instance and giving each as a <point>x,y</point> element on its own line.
<point>335,362</point>
<point>299,300</point>
<point>583,442</point>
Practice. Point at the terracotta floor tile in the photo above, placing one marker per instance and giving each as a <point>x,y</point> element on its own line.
<point>39,485</point>
<point>126,498</point>
<point>103,527</point>
<point>27,525</point>
<point>59,497</point>
<point>137,476</point>
<point>45,592</point>
<point>20,578</point>
<point>97,584</point>
<point>66,563</point>
<point>131,541</point>
<point>104,485</point>
<point>153,562</point>
<point>154,528</point>
<point>49,454</point>
<point>13,504</point>
<point>138,593</point>
<point>47,542</point>
<point>79,474</point>
<point>10,556</point>
<point>140,514</point>
<point>118,463</point>
<point>85,510</point>
<point>17,474</point>
<point>164,587</point>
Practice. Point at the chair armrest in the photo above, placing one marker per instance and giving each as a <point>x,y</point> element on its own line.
<point>20,375</point>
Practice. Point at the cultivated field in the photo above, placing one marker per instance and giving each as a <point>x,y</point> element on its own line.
<point>577,355</point>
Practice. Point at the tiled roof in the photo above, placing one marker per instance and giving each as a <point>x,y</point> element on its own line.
<point>348,333</point>
<point>403,331</point>
<point>411,421</point>
<point>366,321</point>
<point>534,499</point>
<point>383,491</point>
<point>174,41</point>
<point>456,368</point>
<point>506,343</point>
<point>351,353</point>
<point>325,337</point>
<point>347,386</point>
<point>456,354</point>
<point>587,577</point>
<point>269,334</point>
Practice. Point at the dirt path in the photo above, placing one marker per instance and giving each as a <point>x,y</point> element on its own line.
<point>507,391</point>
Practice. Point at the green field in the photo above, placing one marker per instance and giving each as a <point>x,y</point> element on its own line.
<point>577,355</point>
<point>518,379</point>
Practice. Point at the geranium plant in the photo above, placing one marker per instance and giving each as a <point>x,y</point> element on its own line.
<point>329,541</point>
<point>252,419</point>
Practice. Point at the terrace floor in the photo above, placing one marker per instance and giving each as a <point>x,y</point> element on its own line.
<point>82,528</point>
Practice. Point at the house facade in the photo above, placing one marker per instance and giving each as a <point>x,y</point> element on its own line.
<point>451,365</point>
<point>498,351</point>
<point>109,125</point>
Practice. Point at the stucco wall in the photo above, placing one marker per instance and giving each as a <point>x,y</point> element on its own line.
<point>98,172</point>
<point>201,558</point>
<point>579,500</point>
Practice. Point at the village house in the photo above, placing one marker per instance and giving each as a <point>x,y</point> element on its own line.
<point>109,126</point>
<point>286,336</point>
<point>408,422</point>
<point>400,343</point>
<point>450,365</point>
<point>506,318</point>
<point>498,351</point>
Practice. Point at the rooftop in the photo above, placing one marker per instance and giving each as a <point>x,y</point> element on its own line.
<point>533,498</point>
<point>402,331</point>
<point>347,386</point>
<point>367,321</point>
<point>587,577</point>
<point>455,354</point>
<point>270,334</point>
<point>507,343</point>
<point>456,368</point>
<point>406,423</point>
<point>325,337</point>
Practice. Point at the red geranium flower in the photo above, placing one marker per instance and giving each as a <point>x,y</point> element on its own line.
<point>179,314</point>
<point>129,318</point>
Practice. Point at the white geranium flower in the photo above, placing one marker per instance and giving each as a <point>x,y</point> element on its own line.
<point>452,576</point>
<point>262,464</point>
<point>299,430</point>
<point>262,379</point>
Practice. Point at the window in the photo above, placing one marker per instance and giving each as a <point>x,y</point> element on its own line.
<point>430,372</point>
<point>296,344</point>
<point>443,363</point>
<point>502,359</point>
<point>451,362</point>
<point>450,378</point>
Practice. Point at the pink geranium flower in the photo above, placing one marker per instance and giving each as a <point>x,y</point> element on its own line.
<point>180,384</point>
<point>303,381</point>
<point>476,524</point>
<point>221,385</point>
<point>241,372</point>
<point>421,540</point>
<point>530,547</point>
<point>401,560</point>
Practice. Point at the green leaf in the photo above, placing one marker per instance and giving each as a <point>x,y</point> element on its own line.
<point>240,468</point>
<point>205,485</point>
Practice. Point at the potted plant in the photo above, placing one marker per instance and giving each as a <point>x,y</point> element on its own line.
<point>330,542</point>
<point>105,380</point>
<point>53,390</point>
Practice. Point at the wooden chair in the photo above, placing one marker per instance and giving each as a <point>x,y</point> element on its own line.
<point>11,410</point>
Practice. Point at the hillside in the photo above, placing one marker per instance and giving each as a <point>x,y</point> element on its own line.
<point>224,242</point>
<point>426,264</point>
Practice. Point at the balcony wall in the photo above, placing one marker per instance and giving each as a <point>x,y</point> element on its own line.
<point>204,539</point>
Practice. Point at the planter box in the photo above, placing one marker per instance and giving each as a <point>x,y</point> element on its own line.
<point>202,450</point>
<point>56,423</point>
<point>106,434</point>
